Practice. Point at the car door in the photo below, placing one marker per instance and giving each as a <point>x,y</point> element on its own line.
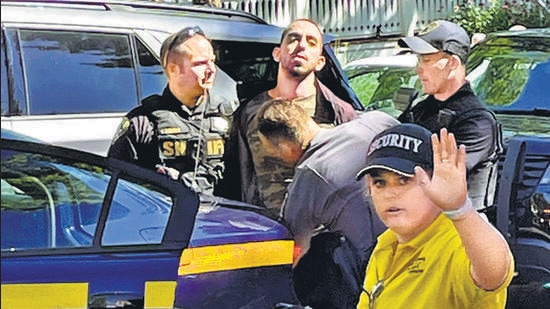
<point>80,231</point>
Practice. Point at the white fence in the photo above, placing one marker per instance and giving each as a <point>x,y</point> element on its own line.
<point>351,19</point>
<point>355,21</point>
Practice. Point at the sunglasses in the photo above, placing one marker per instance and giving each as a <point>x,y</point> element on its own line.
<point>180,37</point>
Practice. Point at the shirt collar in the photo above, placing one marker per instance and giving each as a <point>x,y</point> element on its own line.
<point>177,105</point>
<point>462,91</point>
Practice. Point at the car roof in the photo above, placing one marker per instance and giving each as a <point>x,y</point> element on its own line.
<point>529,32</point>
<point>368,64</point>
<point>137,6</point>
<point>218,24</point>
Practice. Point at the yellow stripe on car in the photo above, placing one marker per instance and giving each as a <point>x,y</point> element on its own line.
<point>159,294</point>
<point>45,295</point>
<point>235,256</point>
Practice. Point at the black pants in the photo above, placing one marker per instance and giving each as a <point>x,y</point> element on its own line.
<point>330,275</point>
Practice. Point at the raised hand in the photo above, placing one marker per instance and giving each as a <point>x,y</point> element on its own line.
<point>447,188</point>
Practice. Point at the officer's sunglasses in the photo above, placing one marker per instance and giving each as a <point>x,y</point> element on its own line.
<point>182,36</point>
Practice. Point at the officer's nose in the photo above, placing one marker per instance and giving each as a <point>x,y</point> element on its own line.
<point>211,68</point>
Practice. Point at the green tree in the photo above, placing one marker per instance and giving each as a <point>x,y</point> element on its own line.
<point>498,15</point>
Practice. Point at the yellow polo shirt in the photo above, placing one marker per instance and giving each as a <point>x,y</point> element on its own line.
<point>430,271</point>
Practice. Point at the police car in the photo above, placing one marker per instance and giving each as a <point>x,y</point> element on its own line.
<point>84,231</point>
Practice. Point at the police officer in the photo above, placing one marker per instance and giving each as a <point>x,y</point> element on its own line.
<point>442,49</point>
<point>183,131</point>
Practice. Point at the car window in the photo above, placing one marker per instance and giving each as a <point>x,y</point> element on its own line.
<point>246,61</point>
<point>49,202</point>
<point>4,78</point>
<point>505,74</point>
<point>138,214</point>
<point>376,88</point>
<point>249,64</point>
<point>151,74</point>
<point>12,84</point>
<point>509,74</point>
<point>82,72</point>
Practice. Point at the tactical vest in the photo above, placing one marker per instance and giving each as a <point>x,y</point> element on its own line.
<point>192,145</point>
<point>483,177</point>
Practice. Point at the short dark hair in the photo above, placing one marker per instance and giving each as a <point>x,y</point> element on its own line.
<point>289,27</point>
<point>176,39</point>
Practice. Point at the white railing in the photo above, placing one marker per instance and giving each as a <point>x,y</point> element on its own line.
<point>354,19</point>
<point>355,22</point>
<point>351,19</point>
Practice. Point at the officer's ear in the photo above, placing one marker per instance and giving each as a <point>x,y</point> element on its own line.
<point>171,69</point>
<point>454,64</point>
<point>455,61</point>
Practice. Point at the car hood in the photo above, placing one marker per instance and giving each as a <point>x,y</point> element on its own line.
<point>222,223</point>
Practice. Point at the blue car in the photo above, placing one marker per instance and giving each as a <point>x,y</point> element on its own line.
<point>84,231</point>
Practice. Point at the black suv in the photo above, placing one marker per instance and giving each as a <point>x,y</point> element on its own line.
<point>510,73</point>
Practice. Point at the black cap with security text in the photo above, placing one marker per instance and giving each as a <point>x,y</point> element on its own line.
<point>439,35</point>
<point>399,149</point>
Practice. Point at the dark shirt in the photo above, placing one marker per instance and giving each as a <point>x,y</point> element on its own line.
<point>325,192</point>
<point>473,125</point>
<point>329,110</point>
<point>325,198</point>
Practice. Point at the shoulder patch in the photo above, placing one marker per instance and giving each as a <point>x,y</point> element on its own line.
<point>122,128</point>
<point>125,124</point>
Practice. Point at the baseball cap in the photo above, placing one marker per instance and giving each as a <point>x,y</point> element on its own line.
<point>399,149</point>
<point>439,35</point>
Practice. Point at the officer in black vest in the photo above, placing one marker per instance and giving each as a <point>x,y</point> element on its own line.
<point>442,49</point>
<point>182,132</point>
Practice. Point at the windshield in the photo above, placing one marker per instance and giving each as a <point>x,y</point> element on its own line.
<point>511,74</point>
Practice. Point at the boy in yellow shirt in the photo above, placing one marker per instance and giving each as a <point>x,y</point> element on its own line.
<point>438,252</point>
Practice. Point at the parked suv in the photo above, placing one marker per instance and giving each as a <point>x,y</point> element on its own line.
<point>71,69</point>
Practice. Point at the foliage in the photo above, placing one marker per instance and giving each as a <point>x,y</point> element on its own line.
<point>499,15</point>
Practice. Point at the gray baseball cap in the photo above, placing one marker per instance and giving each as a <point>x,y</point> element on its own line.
<point>439,35</point>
